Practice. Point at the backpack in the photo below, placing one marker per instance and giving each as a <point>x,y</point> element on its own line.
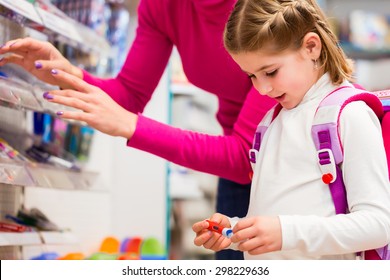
<point>328,145</point>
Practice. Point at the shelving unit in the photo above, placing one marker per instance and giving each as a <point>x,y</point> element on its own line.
<point>42,175</point>
<point>56,25</point>
<point>28,184</point>
<point>37,238</point>
<point>19,239</point>
<point>372,60</point>
<point>27,95</point>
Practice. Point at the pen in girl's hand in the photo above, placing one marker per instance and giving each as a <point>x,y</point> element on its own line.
<point>213,226</point>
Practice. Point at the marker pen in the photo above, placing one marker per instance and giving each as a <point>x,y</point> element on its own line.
<point>213,226</point>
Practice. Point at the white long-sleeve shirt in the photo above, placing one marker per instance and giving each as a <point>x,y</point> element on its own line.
<point>287,183</point>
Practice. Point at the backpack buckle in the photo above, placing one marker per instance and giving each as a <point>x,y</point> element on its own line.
<point>252,158</point>
<point>253,155</point>
<point>327,165</point>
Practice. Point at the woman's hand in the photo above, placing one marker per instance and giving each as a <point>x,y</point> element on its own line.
<point>38,58</point>
<point>209,239</point>
<point>97,109</point>
<point>258,235</point>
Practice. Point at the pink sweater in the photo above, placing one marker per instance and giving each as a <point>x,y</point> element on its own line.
<point>195,27</point>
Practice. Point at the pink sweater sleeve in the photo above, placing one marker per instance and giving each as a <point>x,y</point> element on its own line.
<point>224,156</point>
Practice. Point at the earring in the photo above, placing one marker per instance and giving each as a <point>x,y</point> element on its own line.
<point>315,64</point>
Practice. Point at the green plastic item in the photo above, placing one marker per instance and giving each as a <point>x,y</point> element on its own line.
<point>102,256</point>
<point>152,247</point>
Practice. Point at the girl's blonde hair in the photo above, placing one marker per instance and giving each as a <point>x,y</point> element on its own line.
<point>280,25</point>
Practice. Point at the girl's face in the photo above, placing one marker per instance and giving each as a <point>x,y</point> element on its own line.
<point>286,77</point>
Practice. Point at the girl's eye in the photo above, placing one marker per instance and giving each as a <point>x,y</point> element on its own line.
<point>251,76</point>
<point>272,73</point>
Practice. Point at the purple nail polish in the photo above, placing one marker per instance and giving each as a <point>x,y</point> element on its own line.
<point>38,65</point>
<point>47,95</point>
<point>60,113</point>
<point>54,71</point>
<point>2,46</point>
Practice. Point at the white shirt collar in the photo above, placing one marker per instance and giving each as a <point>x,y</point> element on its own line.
<point>321,88</point>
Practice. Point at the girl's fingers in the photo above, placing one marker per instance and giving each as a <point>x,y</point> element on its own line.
<point>202,238</point>
<point>240,233</point>
<point>71,80</point>
<point>197,227</point>
<point>258,250</point>
<point>243,223</point>
<point>214,241</point>
<point>216,218</point>
<point>250,244</point>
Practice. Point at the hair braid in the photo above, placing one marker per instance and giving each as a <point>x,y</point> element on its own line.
<point>278,25</point>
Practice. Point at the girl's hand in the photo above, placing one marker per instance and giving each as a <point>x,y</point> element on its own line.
<point>209,239</point>
<point>38,58</point>
<point>258,235</point>
<point>98,109</point>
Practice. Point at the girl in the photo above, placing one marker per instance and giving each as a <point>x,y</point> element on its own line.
<point>289,52</point>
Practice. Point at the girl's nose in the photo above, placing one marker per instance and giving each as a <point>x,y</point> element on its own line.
<point>265,89</point>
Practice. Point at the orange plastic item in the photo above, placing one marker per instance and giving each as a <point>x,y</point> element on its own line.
<point>110,245</point>
<point>72,256</point>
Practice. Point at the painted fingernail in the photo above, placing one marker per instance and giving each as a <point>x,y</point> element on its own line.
<point>60,113</point>
<point>2,46</point>
<point>54,71</point>
<point>38,65</point>
<point>1,59</point>
<point>47,95</point>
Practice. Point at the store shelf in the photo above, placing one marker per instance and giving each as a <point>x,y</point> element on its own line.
<point>56,24</point>
<point>18,94</point>
<point>37,238</point>
<point>14,173</point>
<point>19,239</point>
<point>54,238</point>
<point>20,11</point>
<point>47,176</point>
<point>365,54</point>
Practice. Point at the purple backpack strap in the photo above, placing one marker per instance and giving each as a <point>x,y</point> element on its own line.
<point>327,141</point>
<point>260,131</point>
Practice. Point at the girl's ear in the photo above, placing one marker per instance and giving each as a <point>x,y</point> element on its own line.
<point>312,45</point>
